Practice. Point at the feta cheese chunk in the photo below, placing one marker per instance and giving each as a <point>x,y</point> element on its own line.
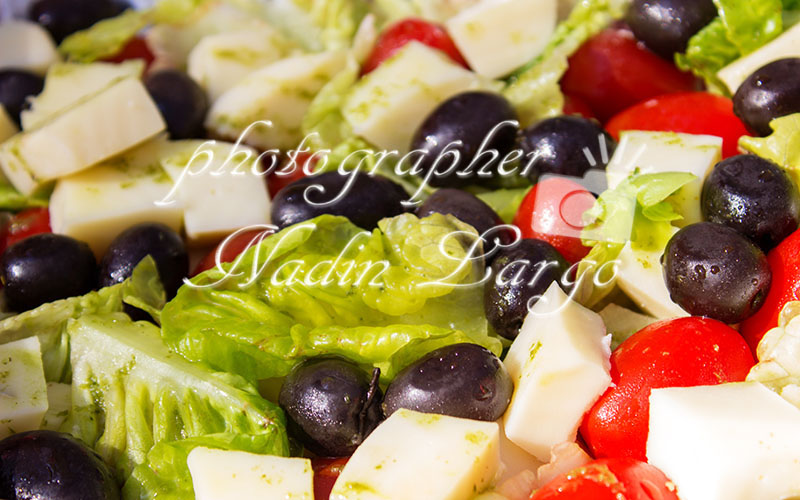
<point>413,455</point>
<point>237,475</point>
<point>560,366</point>
<point>27,46</point>
<point>387,106</point>
<point>726,442</point>
<point>498,36</point>
<point>59,401</point>
<point>657,152</point>
<point>23,390</point>
<point>94,129</point>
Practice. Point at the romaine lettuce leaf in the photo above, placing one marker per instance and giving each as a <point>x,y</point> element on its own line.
<point>337,20</point>
<point>782,146</point>
<point>778,354</point>
<point>13,200</point>
<point>388,297</point>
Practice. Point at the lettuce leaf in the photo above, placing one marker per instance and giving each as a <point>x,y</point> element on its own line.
<point>505,202</point>
<point>337,20</point>
<point>782,146</point>
<point>143,409</point>
<point>13,200</point>
<point>708,52</point>
<point>388,297</point>
<point>778,355</point>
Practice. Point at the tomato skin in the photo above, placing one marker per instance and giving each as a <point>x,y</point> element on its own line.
<point>574,105</point>
<point>136,48</point>
<point>326,472</point>
<point>784,261</point>
<point>610,479</point>
<point>687,112</point>
<point>231,249</point>
<point>551,211</point>
<point>399,34</point>
<point>612,71</point>
<point>24,224</point>
<point>682,352</point>
<point>287,174</point>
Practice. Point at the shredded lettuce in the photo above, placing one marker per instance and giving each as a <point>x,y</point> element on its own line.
<point>782,146</point>
<point>13,200</point>
<point>390,296</point>
<point>505,202</point>
<point>338,20</point>
<point>778,354</point>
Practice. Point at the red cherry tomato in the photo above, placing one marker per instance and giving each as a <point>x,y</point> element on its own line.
<point>26,223</point>
<point>552,211</point>
<point>688,112</point>
<point>610,479</point>
<point>326,472</point>
<point>230,249</point>
<point>784,261</point>
<point>612,71</point>
<point>136,48</point>
<point>682,352</point>
<point>399,34</point>
<point>576,106</point>
<point>287,174</point>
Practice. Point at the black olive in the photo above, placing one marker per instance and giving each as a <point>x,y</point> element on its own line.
<point>665,26</point>
<point>182,102</point>
<point>15,88</point>
<point>64,17</point>
<point>771,92</point>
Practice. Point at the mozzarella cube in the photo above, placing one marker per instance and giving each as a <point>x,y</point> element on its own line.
<point>23,390</point>
<point>414,455</point>
<point>279,93</point>
<point>94,129</point>
<point>498,36</point>
<point>7,126</point>
<point>237,475</point>
<point>657,152</point>
<point>560,366</point>
<point>387,106</point>
<point>27,46</point>
<point>96,205</point>
<point>726,442</point>
<point>220,188</point>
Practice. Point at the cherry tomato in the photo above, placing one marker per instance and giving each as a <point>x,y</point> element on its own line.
<point>681,352</point>
<point>399,34</point>
<point>24,224</point>
<point>287,174</point>
<point>326,472</point>
<point>576,106</point>
<point>688,112</point>
<point>136,48</point>
<point>784,261</point>
<point>610,479</point>
<point>230,249</point>
<point>552,211</point>
<point>612,71</point>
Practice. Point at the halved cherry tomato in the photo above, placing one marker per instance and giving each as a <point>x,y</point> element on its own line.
<point>284,176</point>
<point>326,472</point>
<point>25,224</point>
<point>610,479</point>
<point>230,249</point>
<point>402,32</point>
<point>576,106</point>
<point>612,71</point>
<point>136,48</point>
<point>552,211</point>
<point>688,112</point>
<point>784,261</point>
<point>682,352</point>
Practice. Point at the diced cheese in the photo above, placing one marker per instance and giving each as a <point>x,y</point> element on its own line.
<point>560,366</point>
<point>441,10</point>
<point>94,129</point>
<point>726,442</point>
<point>23,390</point>
<point>59,400</point>
<point>656,152</point>
<point>219,189</point>
<point>26,45</point>
<point>279,93</point>
<point>786,45</point>
<point>7,126</point>
<point>68,83</point>
<point>237,475</point>
<point>388,105</point>
<point>220,61</point>
<point>621,322</point>
<point>96,205</point>
<point>640,276</point>
<point>413,455</point>
<point>498,36</point>
<point>513,459</point>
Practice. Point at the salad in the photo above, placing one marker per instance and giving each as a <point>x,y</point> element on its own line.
<point>400,249</point>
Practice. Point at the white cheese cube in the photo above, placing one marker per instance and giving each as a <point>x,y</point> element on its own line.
<point>657,152</point>
<point>59,400</point>
<point>280,93</point>
<point>726,442</point>
<point>237,475</point>
<point>786,45</point>
<point>94,129</point>
<point>7,126</point>
<point>560,366</point>
<point>96,205</point>
<point>220,61</point>
<point>441,10</point>
<point>513,459</point>
<point>23,390</point>
<point>413,455</point>
<point>387,106</point>
<point>26,45</point>
<point>498,36</point>
<point>220,187</point>
<point>640,275</point>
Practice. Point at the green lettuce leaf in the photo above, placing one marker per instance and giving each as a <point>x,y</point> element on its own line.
<point>337,20</point>
<point>708,52</point>
<point>534,89</point>
<point>382,298</point>
<point>505,202</point>
<point>778,354</point>
<point>782,146</point>
<point>142,408</point>
<point>13,200</point>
